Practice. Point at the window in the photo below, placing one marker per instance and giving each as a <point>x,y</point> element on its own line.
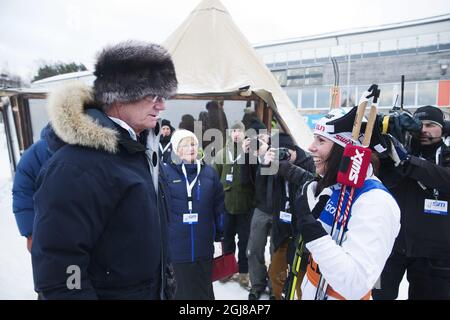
<point>426,93</point>
<point>409,95</point>
<point>294,58</point>
<point>407,45</point>
<point>444,40</point>
<point>296,82</point>
<point>315,81</point>
<point>308,56</point>
<point>323,97</point>
<point>388,46</point>
<point>323,53</point>
<point>313,70</point>
<point>356,50</point>
<point>370,48</point>
<point>280,57</point>
<point>307,98</point>
<point>293,95</point>
<point>299,72</point>
<point>280,76</point>
<point>350,94</point>
<point>338,51</point>
<point>386,95</point>
<point>427,42</point>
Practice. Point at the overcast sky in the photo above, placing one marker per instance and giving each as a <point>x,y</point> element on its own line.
<point>32,31</point>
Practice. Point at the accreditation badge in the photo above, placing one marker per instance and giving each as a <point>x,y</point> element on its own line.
<point>285,217</point>
<point>436,207</point>
<point>190,218</point>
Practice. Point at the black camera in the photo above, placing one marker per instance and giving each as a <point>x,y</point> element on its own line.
<point>282,153</point>
<point>398,123</point>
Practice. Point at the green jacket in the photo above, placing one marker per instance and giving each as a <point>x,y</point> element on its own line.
<point>239,196</point>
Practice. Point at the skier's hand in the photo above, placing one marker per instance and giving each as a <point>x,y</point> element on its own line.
<point>308,226</point>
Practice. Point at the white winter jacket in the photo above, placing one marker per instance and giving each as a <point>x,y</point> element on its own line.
<point>353,269</point>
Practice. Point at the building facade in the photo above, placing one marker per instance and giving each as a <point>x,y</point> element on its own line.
<point>419,50</point>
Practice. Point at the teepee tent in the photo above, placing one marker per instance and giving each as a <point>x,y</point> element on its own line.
<point>213,59</point>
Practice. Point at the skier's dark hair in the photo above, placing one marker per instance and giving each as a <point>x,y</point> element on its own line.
<point>331,168</point>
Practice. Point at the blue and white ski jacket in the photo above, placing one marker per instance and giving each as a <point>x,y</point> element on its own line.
<point>374,222</point>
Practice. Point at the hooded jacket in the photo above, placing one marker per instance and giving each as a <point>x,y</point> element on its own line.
<point>98,216</point>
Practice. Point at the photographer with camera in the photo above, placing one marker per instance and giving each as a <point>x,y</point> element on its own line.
<point>275,198</point>
<point>422,191</point>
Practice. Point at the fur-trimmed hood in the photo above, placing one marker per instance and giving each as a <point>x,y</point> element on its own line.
<point>67,111</point>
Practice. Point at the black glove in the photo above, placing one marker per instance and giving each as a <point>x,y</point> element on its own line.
<point>283,168</point>
<point>444,158</point>
<point>308,226</point>
<point>398,153</point>
<point>170,287</point>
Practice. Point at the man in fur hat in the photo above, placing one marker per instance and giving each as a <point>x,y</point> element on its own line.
<point>100,228</point>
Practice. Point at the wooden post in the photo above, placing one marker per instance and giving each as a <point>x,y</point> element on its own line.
<point>260,109</point>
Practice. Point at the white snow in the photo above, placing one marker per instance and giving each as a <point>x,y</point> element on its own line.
<point>16,280</point>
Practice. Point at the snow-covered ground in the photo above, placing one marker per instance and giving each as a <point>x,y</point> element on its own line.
<point>16,280</point>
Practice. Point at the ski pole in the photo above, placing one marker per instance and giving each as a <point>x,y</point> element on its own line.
<point>291,283</point>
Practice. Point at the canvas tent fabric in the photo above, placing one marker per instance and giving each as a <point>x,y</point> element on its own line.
<point>211,55</point>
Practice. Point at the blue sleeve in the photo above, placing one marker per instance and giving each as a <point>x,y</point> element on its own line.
<point>70,218</point>
<point>24,185</point>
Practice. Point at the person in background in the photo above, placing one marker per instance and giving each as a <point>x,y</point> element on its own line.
<point>261,222</point>
<point>422,190</point>
<point>187,122</point>
<point>295,168</point>
<point>217,119</point>
<point>239,199</point>
<point>195,219</point>
<point>164,141</point>
<point>24,184</point>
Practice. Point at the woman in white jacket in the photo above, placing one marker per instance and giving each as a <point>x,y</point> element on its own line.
<point>352,268</point>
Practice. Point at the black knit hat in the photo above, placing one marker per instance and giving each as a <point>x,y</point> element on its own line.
<point>165,122</point>
<point>131,70</point>
<point>430,113</point>
<point>285,141</point>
